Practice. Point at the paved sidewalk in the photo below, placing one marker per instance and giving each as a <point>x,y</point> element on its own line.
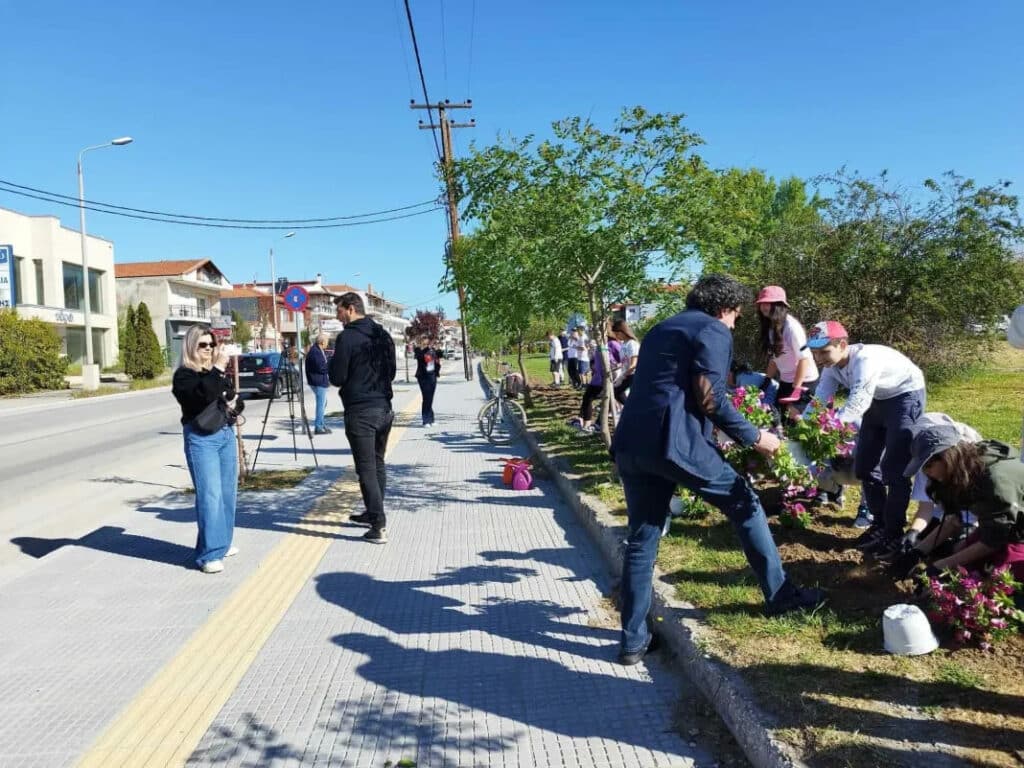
<point>477,636</point>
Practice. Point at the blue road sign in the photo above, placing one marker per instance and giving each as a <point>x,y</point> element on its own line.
<point>296,298</point>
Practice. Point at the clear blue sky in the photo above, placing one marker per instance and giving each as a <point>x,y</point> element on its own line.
<point>258,110</point>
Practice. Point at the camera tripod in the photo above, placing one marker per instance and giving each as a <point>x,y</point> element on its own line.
<point>285,389</point>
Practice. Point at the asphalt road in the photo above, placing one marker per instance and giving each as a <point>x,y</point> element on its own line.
<point>68,466</point>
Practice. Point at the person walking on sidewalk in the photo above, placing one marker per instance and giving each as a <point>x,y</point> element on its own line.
<point>318,379</point>
<point>212,457</point>
<point>428,370</point>
<point>664,439</point>
<point>886,398</point>
<point>363,368</point>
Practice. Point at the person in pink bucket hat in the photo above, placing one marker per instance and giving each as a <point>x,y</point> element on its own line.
<point>784,340</point>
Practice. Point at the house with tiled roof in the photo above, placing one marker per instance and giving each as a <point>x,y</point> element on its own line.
<point>179,294</point>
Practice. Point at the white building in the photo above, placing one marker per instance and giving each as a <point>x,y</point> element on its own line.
<point>48,282</point>
<point>179,294</point>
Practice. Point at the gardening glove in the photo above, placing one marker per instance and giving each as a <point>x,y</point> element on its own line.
<point>909,540</point>
<point>906,564</point>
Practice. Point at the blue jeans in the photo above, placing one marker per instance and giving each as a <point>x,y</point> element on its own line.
<point>213,464</point>
<point>649,485</point>
<point>885,436</point>
<point>321,406</point>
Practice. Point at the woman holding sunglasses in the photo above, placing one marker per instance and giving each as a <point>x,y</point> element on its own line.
<point>212,457</point>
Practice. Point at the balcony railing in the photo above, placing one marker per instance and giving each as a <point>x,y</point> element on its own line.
<point>189,311</point>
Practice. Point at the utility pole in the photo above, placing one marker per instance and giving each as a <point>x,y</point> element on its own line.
<point>446,126</point>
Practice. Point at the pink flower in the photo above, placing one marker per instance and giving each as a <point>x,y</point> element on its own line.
<point>985,646</point>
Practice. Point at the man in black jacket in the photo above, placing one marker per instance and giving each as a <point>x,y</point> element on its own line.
<point>363,368</point>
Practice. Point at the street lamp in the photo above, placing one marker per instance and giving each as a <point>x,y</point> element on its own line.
<point>90,372</point>
<point>273,288</point>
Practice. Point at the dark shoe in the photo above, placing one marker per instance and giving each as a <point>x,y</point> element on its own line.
<point>363,518</point>
<point>629,659</point>
<point>376,536</point>
<point>321,431</point>
<point>869,538</point>
<point>328,430</point>
<point>883,545</point>
<point>798,599</point>
<point>864,517</point>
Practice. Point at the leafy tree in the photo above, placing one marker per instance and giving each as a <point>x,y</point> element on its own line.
<point>30,355</point>
<point>128,342</point>
<point>425,323</point>
<point>242,329</point>
<point>149,360</point>
<point>583,213</point>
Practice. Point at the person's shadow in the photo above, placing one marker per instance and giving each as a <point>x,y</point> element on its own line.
<point>112,539</point>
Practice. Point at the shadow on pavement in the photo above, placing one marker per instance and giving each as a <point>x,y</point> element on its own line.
<point>114,540</point>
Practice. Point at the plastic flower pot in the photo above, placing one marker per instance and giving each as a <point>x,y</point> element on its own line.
<point>522,478</point>
<point>906,631</point>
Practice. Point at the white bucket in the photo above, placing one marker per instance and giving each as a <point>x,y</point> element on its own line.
<point>906,631</point>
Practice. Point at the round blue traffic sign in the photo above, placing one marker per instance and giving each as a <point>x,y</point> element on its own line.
<point>296,298</point>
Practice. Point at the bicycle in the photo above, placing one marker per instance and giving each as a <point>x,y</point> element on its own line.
<point>501,420</point>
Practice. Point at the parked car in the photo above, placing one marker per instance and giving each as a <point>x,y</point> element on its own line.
<point>257,374</point>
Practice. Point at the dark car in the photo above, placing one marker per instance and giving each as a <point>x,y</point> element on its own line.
<point>261,373</point>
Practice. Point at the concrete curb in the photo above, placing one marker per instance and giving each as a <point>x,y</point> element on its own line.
<point>680,625</point>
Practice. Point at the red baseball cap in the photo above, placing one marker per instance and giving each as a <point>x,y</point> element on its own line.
<point>771,294</point>
<point>824,332</point>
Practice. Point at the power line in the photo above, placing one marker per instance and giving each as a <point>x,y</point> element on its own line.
<point>405,53</point>
<point>423,80</point>
<point>444,48</point>
<point>222,226</point>
<point>469,69</point>
<point>216,218</point>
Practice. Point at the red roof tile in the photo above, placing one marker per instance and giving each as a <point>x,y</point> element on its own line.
<point>157,268</point>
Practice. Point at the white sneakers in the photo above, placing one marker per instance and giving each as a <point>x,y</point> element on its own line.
<point>216,566</point>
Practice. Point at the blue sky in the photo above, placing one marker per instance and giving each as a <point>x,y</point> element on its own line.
<point>258,110</point>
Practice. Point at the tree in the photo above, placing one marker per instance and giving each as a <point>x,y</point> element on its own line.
<point>128,341</point>
<point>425,324</point>
<point>242,329</point>
<point>584,212</point>
<point>149,360</point>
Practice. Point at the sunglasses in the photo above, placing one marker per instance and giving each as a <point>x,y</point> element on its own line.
<point>206,344</point>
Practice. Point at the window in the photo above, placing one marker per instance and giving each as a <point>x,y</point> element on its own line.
<point>201,306</point>
<point>74,290</point>
<point>38,263</point>
<point>17,280</point>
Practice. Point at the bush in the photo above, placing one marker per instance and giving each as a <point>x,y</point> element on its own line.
<point>30,355</point>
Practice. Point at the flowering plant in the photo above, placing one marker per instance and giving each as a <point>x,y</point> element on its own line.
<point>979,608</point>
<point>794,478</point>
<point>821,434</point>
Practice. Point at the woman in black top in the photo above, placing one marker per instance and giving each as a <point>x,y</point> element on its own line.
<point>212,458</point>
<point>428,368</point>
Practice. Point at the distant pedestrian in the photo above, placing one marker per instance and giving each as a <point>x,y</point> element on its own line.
<point>573,360</point>
<point>665,439</point>
<point>628,359</point>
<point>363,368</point>
<point>582,343</point>
<point>319,380</point>
<point>555,358</point>
<point>428,370</point>
<point>211,453</point>
<point>594,389</point>
<point>563,340</point>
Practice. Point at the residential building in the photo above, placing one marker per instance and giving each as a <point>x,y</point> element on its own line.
<point>49,282</point>
<point>385,311</point>
<point>179,294</point>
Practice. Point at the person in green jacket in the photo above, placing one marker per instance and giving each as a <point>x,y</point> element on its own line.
<point>983,480</point>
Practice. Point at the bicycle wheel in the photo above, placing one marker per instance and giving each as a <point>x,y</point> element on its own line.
<point>482,420</point>
<point>503,422</point>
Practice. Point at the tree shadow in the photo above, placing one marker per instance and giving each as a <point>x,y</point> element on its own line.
<point>253,746</point>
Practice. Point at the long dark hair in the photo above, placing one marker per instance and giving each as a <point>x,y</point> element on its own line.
<point>964,470</point>
<point>773,326</point>
<point>621,326</point>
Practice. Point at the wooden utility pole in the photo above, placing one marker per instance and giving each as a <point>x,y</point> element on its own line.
<point>446,126</point>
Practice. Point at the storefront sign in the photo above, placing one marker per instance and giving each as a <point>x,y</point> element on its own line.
<point>7,276</point>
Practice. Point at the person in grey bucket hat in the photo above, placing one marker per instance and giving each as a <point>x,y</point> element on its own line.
<point>928,443</point>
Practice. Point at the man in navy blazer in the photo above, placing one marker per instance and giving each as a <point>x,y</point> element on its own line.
<point>664,439</point>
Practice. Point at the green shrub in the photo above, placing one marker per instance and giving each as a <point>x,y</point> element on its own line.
<point>30,355</point>
<point>147,358</point>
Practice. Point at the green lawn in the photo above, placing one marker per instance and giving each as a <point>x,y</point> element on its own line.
<point>836,695</point>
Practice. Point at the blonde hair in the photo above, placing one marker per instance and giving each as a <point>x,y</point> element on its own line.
<point>190,348</point>
<point>324,337</point>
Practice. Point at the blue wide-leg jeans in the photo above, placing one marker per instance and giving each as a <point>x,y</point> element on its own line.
<point>213,465</point>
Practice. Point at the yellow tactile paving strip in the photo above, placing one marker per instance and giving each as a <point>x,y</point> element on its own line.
<point>163,724</point>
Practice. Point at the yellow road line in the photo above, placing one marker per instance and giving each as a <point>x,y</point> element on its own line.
<point>165,721</point>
